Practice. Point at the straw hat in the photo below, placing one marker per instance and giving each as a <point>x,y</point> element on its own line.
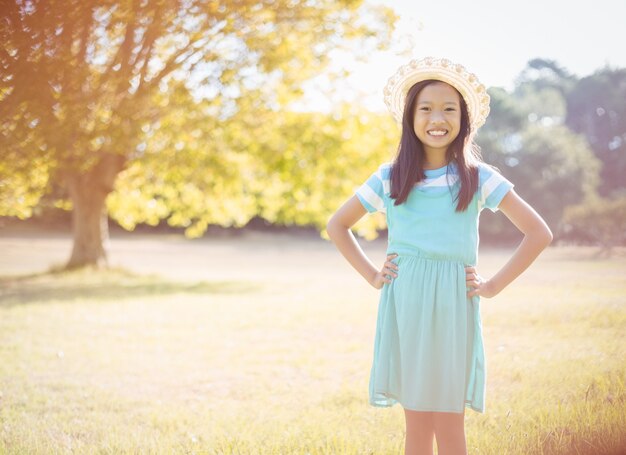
<point>473,92</point>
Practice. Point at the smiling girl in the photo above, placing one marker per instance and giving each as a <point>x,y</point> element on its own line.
<point>428,348</point>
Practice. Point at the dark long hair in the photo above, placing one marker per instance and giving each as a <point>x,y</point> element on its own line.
<point>408,167</point>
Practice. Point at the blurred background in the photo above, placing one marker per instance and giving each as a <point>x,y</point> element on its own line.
<point>199,146</point>
<point>191,115</point>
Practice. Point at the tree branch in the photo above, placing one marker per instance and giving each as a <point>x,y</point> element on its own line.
<point>125,47</point>
<point>145,53</point>
<point>87,26</point>
<point>171,64</point>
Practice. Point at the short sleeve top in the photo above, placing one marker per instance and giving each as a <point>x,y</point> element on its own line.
<point>427,220</point>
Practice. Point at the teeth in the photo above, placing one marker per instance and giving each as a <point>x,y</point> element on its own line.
<point>437,132</point>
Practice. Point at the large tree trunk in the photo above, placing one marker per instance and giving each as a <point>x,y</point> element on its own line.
<point>88,192</point>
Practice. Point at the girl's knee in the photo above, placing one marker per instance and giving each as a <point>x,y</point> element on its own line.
<point>420,432</point>
<point>450,433</point>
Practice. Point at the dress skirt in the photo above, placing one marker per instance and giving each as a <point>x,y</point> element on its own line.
<point>428,348</point>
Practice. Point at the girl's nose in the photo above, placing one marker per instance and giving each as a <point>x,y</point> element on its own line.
<point>436,117</point>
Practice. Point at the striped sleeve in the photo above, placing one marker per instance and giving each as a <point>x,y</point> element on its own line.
<point>493,188</point>
<point>373,194</point>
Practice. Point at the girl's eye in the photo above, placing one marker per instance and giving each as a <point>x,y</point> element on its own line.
<point>425,108</point>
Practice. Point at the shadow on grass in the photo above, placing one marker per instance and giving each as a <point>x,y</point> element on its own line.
<point>105,285</point>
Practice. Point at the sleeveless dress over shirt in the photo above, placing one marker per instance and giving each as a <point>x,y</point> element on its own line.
<point>428,346</point>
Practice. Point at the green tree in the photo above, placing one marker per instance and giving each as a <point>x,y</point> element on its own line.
<point>545,73</point>
<point>601,220</point>
<point>317,161</point>
<point>85,86</point>
<point>295,168</point>
<point>551,166</point>
<point>596,108</point>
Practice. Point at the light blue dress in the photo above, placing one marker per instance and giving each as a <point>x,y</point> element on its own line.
<point>428,348</point>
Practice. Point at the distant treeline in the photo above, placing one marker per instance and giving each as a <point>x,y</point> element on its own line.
<point>562,141</point>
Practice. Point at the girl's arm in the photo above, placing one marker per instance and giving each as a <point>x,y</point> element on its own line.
<point>537,236</point>
<point>338,229</point>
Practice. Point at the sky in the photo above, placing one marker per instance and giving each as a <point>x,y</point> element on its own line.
<point>492,38</point>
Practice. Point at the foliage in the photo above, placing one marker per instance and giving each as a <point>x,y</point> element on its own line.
<point>602,220</point>
<point>287,167</point>
<point>188,171</point>
<point>550,166</point>
<point>317,161</point>
<point>541,89</point>
<point>23,182</point>
<point>596,109</point>
<point>83,80</point>
<point>556,168</point>
<point>542,74</point>
<point>193,98</point>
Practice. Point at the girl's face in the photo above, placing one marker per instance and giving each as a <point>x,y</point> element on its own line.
<point>437,117</point>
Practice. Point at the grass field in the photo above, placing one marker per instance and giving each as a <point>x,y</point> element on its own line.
<point>261,344</point>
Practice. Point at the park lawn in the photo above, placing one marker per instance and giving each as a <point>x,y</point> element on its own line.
<point>274,358</point>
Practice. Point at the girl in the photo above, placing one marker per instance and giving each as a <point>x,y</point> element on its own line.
<point>428,350</point>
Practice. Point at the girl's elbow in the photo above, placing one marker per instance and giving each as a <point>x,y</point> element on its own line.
<point>550,236</point>
<point>332,225</point>
<point>540,235</point>
<point>336,226</point>
<point>544,236</point>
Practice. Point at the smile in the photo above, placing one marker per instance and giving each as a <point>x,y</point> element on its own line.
<point>437,132</point>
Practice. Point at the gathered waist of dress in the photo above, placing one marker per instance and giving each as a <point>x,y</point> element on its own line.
<point>433,255</point>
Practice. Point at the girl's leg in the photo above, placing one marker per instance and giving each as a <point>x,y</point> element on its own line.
<point>419,433</point>
<point>450,433</point>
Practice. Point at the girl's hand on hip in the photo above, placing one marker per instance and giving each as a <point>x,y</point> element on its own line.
<point>386,274</point>
<point>479,286</point>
